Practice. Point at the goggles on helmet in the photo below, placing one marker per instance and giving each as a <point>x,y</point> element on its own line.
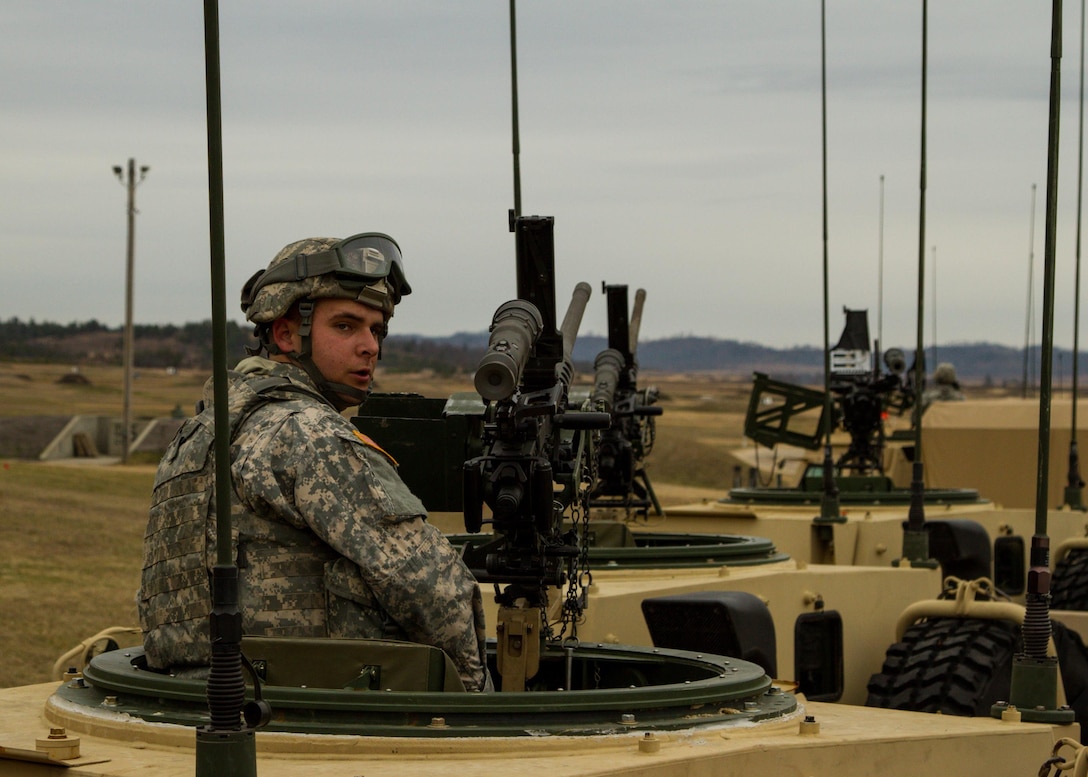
<point>355,262</point>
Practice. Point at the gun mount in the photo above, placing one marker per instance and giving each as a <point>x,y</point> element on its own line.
<point>865,394</point>
<point>622,482</point>
<point>534,441</point>
<point>862,394</point>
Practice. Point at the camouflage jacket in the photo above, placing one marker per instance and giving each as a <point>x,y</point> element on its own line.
<point>941,393</point>
<point>328,539</point>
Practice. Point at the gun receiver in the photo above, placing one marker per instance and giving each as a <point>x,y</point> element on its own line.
<point>532,438</point>
<point>533,442</point>
<point>622,481</point>
<point>780,412</point>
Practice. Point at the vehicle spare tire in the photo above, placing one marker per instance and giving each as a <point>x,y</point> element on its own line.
<point>957,666</point>
<point>1069,584</point>
<point>963,666</point>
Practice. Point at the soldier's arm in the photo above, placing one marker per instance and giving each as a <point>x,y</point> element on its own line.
<point>351,497</point>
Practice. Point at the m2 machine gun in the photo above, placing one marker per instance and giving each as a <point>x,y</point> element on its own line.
<point>622,482</point>
<point>533,441</point>
<point>862,395</point>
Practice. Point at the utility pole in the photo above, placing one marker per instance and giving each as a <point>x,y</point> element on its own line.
<point>127,338</point>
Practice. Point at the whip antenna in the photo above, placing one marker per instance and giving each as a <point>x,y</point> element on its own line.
<point>829,504</point>
<point>915,537</point>
<point>225,745</point>
<point>1033,688</point>
<point>1074,482</point>
<point>514,109</point>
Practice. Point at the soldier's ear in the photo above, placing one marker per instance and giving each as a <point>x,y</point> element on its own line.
<point>285,335</point>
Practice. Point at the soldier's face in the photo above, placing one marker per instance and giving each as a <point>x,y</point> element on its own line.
<point>344,340</point>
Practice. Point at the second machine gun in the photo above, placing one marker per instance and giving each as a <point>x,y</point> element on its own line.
<point>532,442</point>
<point>861,395</point>
<point>622,482</point>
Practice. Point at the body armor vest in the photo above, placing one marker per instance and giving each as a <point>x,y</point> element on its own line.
<point>180,548</point>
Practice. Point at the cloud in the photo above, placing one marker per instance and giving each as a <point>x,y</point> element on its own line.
<point>679,147</point>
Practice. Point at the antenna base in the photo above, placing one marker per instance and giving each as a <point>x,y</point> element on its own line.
<point>1034,692</point>
<point>226,752</point>
<point>830,511</point>
<point>1074,498</point>
<point>915,550</point>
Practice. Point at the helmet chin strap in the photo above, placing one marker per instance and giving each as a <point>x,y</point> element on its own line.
<point>340,395</point>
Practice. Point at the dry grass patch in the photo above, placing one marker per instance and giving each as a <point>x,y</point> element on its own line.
<point>426,382</point>
<point>47,389</point>
<point>71,540</point>
<point>702,421</point>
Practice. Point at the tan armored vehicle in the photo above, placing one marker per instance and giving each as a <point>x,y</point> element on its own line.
<point>581,702</point>
<point>584,701</point>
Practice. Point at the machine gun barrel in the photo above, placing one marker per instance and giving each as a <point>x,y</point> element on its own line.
<point>515,328</point>
<point>621,480</point>
<point>572,322</point>
<point>607,368</point>
<point>636,320</point>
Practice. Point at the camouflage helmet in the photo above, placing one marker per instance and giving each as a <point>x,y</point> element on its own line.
<point>945,375</point>
<point>366,268</point>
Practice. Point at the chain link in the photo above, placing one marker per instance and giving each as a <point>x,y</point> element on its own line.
<point>576,598</point>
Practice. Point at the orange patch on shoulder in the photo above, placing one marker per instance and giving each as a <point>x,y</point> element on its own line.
<point>371,444</point>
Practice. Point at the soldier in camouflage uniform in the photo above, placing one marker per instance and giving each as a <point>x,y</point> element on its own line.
<point>946,386</point>
<point>329,541</point>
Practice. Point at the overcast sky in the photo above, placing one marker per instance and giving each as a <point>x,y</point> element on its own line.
<point>677,145</point>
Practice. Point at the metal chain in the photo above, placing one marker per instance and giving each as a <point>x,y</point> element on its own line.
<point>549,634</point>
<point>574,605</point>
<point>649,432</point>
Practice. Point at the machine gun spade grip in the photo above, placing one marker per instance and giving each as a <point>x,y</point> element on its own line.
<point>514,331</point>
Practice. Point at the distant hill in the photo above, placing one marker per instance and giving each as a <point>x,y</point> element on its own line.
<point>974,362</point>
<point>190,346</point>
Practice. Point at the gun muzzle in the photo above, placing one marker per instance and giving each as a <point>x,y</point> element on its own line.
<point>606,377</point>
<point>895,360</point>
<point>636,321</point>
<point>514,331</point>
<point>572,321</point>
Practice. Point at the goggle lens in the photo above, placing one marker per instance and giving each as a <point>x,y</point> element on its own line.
<point>371,256</point>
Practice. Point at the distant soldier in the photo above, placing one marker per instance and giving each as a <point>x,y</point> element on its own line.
<point>946,387</point>
<point>328,540</point>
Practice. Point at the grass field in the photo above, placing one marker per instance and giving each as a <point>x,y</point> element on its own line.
<point>71,535</point>
<point>70,564</point>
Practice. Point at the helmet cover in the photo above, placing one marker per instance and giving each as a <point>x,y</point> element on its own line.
<point>273,300</point>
